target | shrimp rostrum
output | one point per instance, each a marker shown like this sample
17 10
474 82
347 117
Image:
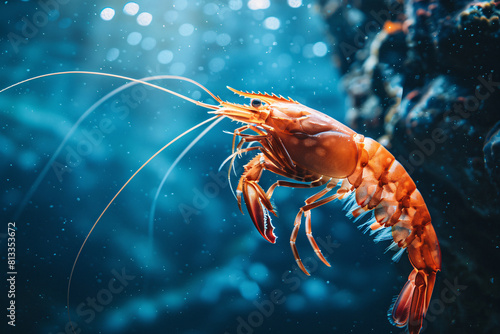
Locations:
315 150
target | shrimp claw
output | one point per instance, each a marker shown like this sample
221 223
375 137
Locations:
256 200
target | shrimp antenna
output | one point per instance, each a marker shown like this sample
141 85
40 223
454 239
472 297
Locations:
205 105
170 169
202 104
116 195
75 126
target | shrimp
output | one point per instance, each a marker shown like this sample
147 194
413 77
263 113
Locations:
315 150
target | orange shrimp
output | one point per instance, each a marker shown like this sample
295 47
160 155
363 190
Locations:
306 145
314 149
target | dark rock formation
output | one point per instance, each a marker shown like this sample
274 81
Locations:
423 77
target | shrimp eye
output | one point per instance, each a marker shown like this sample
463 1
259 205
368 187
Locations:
256 103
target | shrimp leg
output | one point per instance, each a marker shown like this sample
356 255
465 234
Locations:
311 203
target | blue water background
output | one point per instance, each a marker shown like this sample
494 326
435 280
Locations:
204 271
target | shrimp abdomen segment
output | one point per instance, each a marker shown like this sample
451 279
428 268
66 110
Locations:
382 184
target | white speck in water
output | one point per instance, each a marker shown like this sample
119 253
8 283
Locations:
320 49
107 13
148 43
258 4
131 8
223 39
144 19
177 69
134 38
112 54
235 4
216 64
272 23
186 29
165 56
295 3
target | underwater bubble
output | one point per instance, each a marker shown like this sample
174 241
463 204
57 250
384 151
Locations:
165 56
307 51
268 39
148 43
177 69
131 8
180 4
28 160
272 23
134 38
144 19
209 36
112 54
294 3
170 16
249 290
223 39
107 13
315 289
216 64
186 29
53 15
319 49
146 310
258 272
196 95
235 4
258 4
210 9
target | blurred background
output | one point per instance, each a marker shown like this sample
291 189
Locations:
203 268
